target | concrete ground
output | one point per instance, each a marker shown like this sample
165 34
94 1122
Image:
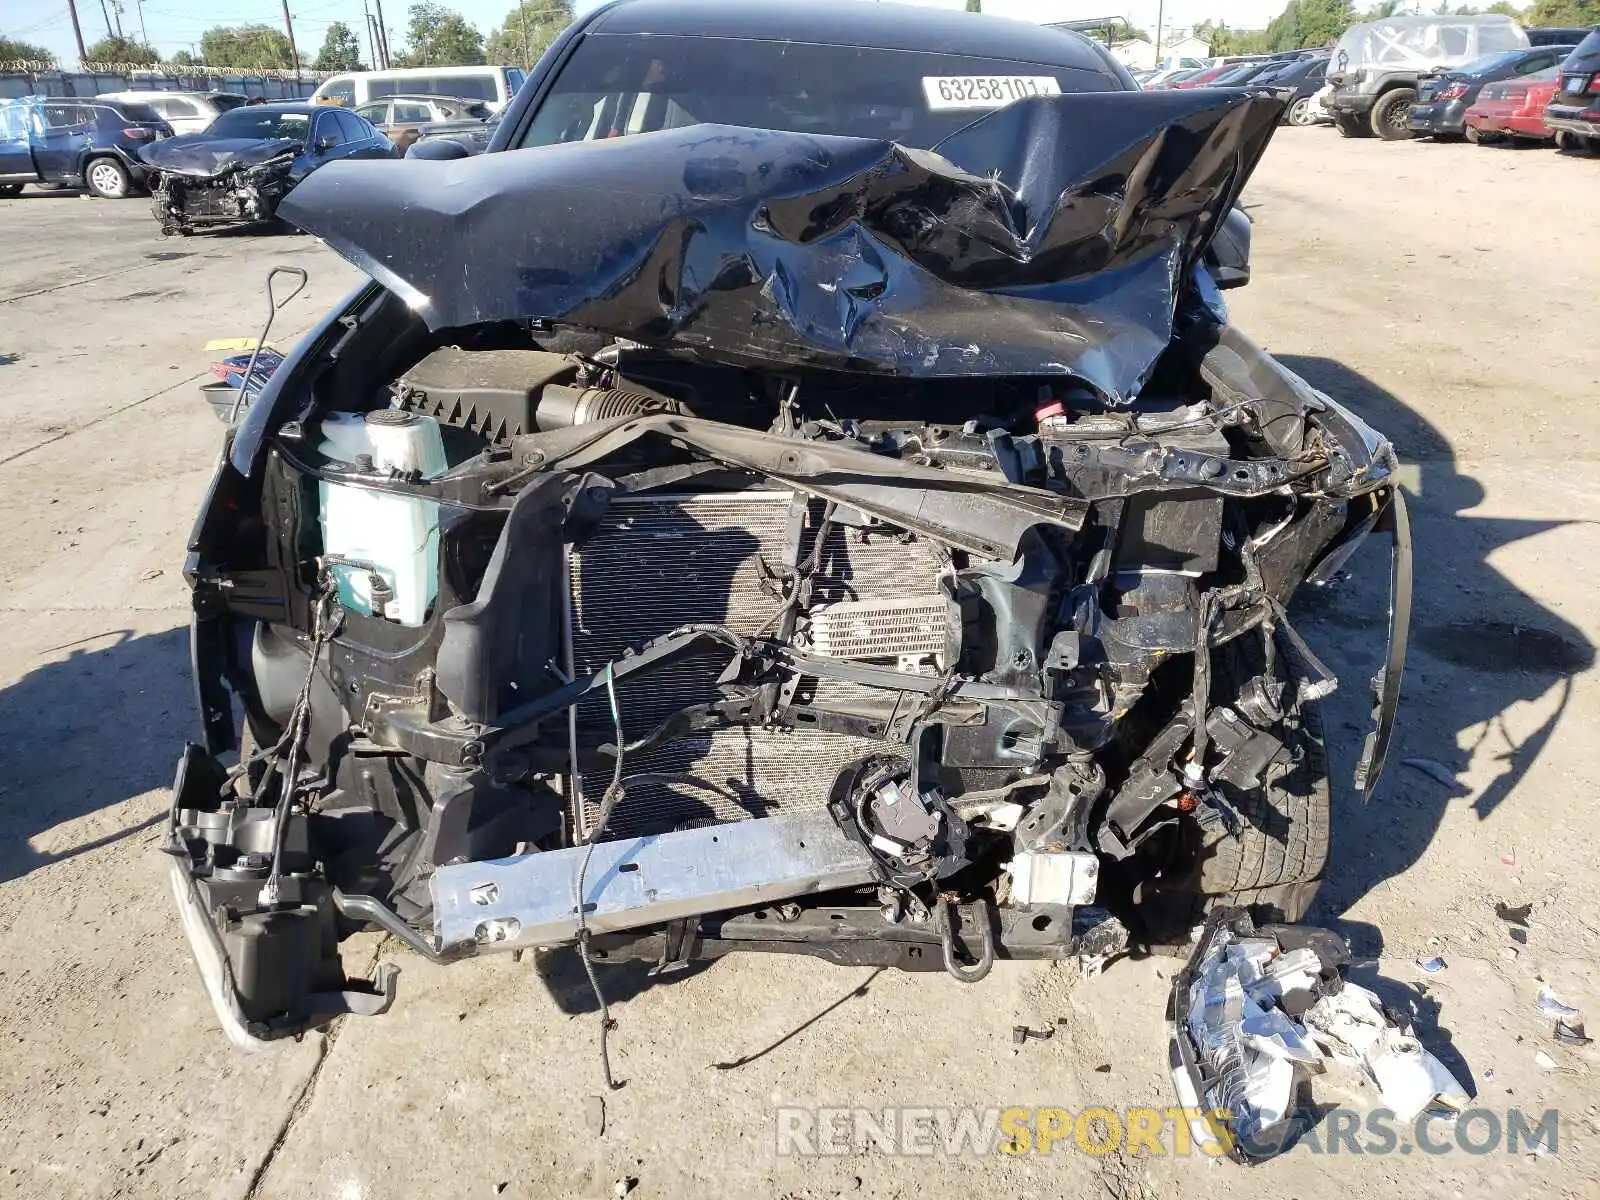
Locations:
1439 290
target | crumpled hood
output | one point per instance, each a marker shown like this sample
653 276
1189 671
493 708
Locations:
1051 237
198 154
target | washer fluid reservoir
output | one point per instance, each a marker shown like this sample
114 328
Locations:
383 547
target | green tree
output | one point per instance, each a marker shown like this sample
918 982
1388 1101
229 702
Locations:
253 47
1562 12
183 59
12 50
340 50
122 50
437 36
527 32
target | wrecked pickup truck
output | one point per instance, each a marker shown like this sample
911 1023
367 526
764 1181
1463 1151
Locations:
730 538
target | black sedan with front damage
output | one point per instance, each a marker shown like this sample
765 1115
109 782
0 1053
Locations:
859 534
238 170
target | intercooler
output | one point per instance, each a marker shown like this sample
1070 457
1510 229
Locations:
660 562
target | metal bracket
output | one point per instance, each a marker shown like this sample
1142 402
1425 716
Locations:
677 947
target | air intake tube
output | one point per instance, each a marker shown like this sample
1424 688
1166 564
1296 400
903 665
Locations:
561 406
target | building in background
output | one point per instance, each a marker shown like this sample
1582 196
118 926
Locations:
1134 48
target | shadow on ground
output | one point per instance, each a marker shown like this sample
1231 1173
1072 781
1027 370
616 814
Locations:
1479 645
94 728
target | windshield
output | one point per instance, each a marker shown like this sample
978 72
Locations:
620 85
259 122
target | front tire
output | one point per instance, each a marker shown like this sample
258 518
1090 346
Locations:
1273 864
107 178
1300 111
1391 114
8 190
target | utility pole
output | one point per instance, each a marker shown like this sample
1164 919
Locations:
522 24
144 38
116 7
293 52
372 42
1160 12
383 34
77 30
106 17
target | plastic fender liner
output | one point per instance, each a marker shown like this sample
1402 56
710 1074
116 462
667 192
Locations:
1386 684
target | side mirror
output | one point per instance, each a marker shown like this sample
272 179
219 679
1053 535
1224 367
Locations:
325 144
1228 256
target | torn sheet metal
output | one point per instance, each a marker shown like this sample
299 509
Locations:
1052 237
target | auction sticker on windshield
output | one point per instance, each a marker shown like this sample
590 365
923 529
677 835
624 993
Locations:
984 91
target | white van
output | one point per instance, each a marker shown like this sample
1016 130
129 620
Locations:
492 85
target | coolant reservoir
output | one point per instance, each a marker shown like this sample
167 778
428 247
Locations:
392 537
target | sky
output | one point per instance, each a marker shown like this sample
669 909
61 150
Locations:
172 26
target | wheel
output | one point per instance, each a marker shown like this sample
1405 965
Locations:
108 178
1565 141
1391 114
10 189
1473 135
1273 862
1351 126
1300 111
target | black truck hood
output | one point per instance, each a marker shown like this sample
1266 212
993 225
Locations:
1052 237
197 154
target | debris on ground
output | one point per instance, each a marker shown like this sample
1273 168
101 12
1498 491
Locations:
1432 965
1545 1062
1513 916
1551 1007
1257 1010
1021 1034
1570 1033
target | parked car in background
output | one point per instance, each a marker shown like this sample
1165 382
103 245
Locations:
1573 114
239 169
1163 75
1513 108
401 117
1564 35
1377 65
1211 74
186 112
1168 79
1307 76
471 134
1245 73
92 143
494 85
1443 97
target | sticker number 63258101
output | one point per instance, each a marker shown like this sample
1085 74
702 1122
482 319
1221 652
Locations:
984 91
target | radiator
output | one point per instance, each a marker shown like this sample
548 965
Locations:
660 562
